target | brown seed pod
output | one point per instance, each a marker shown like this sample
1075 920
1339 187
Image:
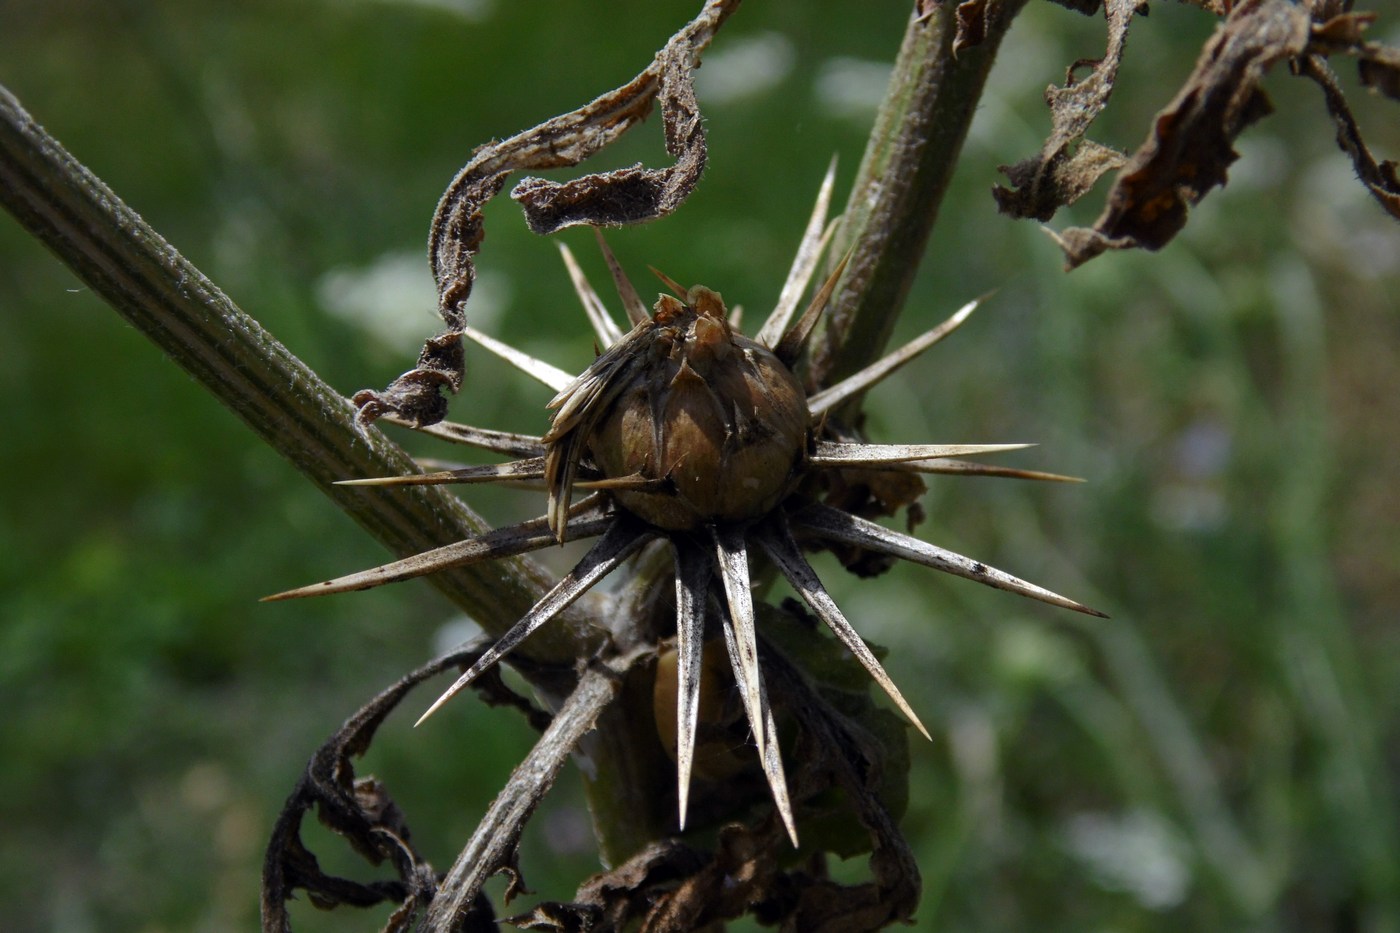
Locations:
712 415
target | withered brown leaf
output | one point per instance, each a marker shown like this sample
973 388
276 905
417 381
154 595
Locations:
1380 178
1190 146
361 811
1378 65
635 194
624 196
1068 165
1382 72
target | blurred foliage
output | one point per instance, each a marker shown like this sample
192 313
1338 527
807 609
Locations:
1221 755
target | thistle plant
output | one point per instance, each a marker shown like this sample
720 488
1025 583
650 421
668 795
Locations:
690 432
701 461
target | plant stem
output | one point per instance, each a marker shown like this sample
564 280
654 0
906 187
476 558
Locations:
287 405
493 844
903 176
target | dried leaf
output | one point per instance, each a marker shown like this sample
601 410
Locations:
1336 30
1378 65
1381 71
636 194
621 197
1068 165
1043 184
1189 149
363 813
1381 179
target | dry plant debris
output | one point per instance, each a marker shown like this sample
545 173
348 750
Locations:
624 196
1190 147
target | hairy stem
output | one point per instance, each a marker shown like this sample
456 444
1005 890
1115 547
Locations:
287 405
903 176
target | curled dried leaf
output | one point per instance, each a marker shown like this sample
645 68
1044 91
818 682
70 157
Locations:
1190 146
363 813
1380 178
611 198
635 194
1378 65
1068 165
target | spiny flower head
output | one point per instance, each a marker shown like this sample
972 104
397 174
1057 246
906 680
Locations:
713 419
684 429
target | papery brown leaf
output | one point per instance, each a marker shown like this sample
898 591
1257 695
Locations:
1040 186
614 899
1068 165
636 194
1335 31
1383 74
363 813
1381 179
1189 149
627 196
1379 68
1339 31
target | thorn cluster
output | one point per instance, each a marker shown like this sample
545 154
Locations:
683 429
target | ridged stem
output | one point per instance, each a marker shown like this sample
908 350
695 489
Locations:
159 292
900 184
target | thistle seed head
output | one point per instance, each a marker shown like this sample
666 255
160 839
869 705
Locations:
713 414
690 427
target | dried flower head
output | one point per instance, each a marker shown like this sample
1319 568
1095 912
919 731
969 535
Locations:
685 429
713 420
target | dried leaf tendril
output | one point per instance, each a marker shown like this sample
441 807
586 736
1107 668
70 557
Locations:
624 196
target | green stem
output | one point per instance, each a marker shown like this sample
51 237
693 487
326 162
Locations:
287 405
903 176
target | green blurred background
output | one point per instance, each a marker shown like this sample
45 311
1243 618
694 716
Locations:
1221 755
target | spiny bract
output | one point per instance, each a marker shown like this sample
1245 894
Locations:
684 429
